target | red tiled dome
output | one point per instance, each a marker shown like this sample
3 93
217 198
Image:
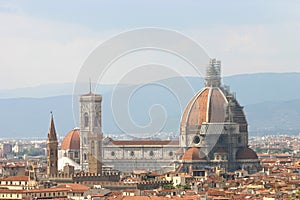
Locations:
245 153
72 140
206 106
193 153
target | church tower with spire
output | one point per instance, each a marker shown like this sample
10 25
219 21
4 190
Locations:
52 149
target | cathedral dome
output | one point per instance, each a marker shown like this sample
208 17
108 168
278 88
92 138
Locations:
245 153
193 154
208 105
213 104
72 140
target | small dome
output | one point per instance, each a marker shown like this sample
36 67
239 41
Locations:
72 140
193 153
245 153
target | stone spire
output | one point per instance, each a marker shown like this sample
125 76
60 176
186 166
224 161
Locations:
52 132
213 73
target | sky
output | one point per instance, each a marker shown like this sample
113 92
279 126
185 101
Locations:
45 42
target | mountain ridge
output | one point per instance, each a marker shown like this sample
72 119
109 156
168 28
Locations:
265 106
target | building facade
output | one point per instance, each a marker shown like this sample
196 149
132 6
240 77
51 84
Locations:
127 155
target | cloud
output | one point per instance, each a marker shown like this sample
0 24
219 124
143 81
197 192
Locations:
40 50
252 48
35 51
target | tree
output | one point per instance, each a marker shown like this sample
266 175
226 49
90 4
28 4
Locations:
168 186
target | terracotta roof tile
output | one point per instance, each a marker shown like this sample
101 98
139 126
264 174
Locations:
246 153
72 140
193 153
15 178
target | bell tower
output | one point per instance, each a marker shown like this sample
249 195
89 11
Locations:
90 133
52 144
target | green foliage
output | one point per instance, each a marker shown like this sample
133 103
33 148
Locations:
187 187
32 152
168 186
276 151
286 150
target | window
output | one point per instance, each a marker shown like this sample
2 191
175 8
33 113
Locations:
76 154
71 155
170 153
239 139
113 153
151 153
86 119
93 148
96 121
84 156
196 140
132 153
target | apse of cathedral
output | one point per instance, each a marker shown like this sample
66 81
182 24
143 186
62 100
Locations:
213 133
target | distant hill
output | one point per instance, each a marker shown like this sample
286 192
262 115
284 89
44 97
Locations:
274 117
272 105
262 87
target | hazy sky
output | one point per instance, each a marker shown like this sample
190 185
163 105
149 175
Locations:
46 42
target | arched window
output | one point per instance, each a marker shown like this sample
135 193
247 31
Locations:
132 153
93 148
96 122
86 119
84 157
151 153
